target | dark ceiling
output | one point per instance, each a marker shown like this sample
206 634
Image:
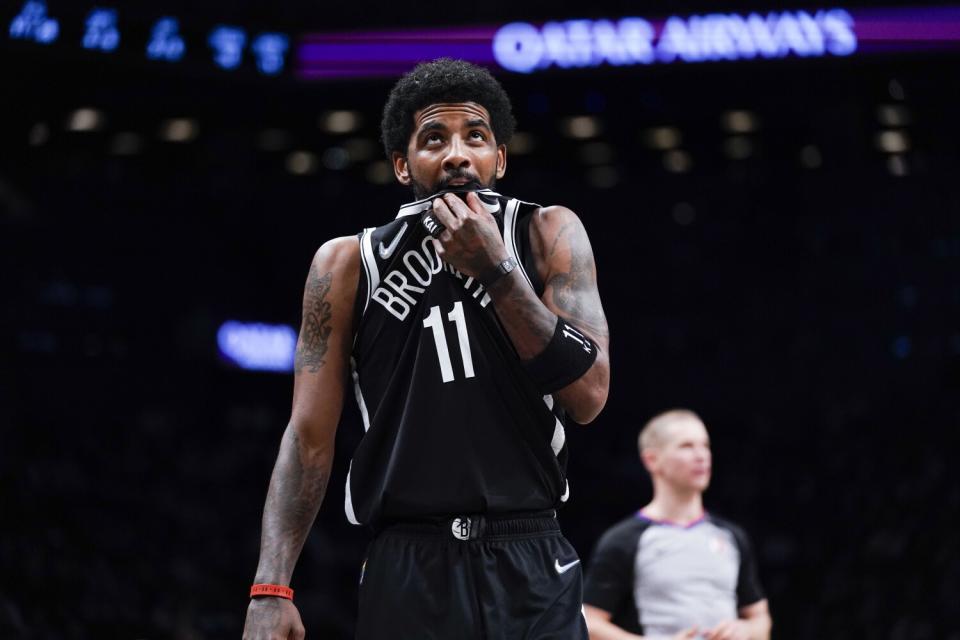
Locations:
299 16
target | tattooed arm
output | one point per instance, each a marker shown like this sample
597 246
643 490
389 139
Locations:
564 261
472 243
302 470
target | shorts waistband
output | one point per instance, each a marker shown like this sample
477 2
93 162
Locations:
478 526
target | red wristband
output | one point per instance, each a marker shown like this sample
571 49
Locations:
277 590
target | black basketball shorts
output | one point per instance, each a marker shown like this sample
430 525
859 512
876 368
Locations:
472 578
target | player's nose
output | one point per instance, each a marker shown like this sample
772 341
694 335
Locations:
457 157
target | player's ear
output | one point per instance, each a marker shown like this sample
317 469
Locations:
401 168
501 160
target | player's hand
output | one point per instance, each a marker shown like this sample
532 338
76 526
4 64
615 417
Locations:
471 242
273 619
686 634
728 630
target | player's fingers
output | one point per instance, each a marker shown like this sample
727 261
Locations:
477 208
442 213
476 204
456 205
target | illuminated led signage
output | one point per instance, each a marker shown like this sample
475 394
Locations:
270 49
257 346
524 48
33 23
165 41
101 32
227 43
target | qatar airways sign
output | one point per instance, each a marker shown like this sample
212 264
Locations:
523 48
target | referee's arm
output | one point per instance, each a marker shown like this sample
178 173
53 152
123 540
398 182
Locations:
302 470
600 627
757 617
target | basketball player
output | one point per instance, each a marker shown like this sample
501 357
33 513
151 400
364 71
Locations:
471 329
672 570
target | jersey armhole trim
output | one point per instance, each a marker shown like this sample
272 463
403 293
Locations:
510 236
370 271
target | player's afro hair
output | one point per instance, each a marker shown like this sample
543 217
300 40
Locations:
443 80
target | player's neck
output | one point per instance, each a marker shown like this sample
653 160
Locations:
674 507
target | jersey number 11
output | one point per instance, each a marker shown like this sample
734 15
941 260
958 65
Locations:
434 321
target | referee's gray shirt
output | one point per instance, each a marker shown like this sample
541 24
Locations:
658 578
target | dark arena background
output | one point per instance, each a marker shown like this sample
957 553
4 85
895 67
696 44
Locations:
773 196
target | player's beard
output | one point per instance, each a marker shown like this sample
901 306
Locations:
421 191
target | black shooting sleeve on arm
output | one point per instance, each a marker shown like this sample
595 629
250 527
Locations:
568 355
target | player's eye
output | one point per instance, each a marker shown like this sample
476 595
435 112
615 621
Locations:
433 137
477 135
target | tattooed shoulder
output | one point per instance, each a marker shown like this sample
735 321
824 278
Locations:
315 329
572 280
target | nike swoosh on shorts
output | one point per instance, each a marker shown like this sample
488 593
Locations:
563 568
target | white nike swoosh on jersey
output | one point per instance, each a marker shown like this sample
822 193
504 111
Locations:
386 252
563 568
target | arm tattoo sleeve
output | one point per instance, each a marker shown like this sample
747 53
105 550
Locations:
296 491
569 289
315 329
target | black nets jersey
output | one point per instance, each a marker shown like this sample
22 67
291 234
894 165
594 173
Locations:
453 424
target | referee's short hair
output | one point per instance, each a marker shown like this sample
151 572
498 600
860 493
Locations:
653 433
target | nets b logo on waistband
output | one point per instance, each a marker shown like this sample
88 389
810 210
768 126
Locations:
461 528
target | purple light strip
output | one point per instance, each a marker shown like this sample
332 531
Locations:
916 24
390 53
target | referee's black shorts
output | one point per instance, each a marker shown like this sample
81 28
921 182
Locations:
472 578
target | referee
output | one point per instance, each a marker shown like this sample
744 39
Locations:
671 570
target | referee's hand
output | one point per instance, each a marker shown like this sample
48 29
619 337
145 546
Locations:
729 630
687 634
273 619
